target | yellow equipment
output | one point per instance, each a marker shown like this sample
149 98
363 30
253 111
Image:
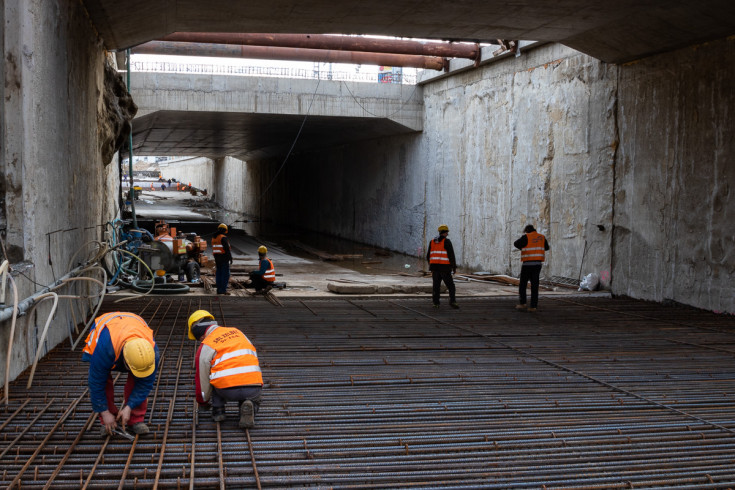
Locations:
140 357
196 317
262 250
443 228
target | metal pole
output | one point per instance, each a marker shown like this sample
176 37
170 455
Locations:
130 153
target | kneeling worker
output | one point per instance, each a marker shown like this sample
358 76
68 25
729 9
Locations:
265 276
121 342
227 368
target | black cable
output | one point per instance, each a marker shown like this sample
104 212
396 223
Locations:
376 115
294 142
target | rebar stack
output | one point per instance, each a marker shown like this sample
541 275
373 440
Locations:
389 393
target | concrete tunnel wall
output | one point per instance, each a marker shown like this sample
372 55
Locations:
52 176
622 166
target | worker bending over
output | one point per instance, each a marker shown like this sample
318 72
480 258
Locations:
222 258
227 369
442 265
123 342
265 276
532 245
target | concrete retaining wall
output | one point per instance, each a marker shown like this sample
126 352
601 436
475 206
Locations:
198 171
675 178
584 150
55 189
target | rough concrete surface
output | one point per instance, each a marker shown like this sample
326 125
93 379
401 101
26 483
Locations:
56 188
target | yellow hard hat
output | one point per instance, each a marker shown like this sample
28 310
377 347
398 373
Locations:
222 226
443 228
140 357
262 250
196 317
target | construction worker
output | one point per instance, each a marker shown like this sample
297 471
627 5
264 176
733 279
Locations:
222 258
532 246
442 265
265 276
123 342
227 369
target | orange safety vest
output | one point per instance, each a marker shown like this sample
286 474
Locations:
217 247
235 362
270 274
534 249
122 327
437 253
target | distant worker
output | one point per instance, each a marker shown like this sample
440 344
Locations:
442 265
123 342
163 187
169 182
227 369
263 278
222 258
532 246
152 186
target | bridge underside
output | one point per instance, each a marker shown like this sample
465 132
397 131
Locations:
611 31
250 136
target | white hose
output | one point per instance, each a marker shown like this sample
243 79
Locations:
10 343
45 329
4 270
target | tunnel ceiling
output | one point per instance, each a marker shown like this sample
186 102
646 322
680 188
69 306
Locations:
250 136
616 31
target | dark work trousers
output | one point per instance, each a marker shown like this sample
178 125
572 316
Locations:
529 272
237 394
222 276
258 282
137 414
438 277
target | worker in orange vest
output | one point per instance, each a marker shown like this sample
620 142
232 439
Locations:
121 341
532 246
442 265
265 276
222 258
227 369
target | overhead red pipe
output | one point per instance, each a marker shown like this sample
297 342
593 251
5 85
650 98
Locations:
338 42
290 54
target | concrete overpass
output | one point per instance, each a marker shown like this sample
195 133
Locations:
256 117
611 31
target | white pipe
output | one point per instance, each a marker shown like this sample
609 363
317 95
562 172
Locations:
4 270
10 343
45 329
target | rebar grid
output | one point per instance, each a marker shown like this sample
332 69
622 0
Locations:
586 393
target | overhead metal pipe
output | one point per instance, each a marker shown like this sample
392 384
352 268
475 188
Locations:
291 54
338 42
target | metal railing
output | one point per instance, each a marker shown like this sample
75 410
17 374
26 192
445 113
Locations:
267 71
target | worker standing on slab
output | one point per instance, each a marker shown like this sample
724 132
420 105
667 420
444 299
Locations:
442 265
532 246
265 276
222 258
227 369
122 342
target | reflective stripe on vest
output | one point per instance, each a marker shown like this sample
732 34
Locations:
236 360
437 253
122 327
534 249
270 274
217 247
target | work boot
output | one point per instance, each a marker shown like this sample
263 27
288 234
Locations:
247 414
218 414
454 305
532 309
139 428
521 307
